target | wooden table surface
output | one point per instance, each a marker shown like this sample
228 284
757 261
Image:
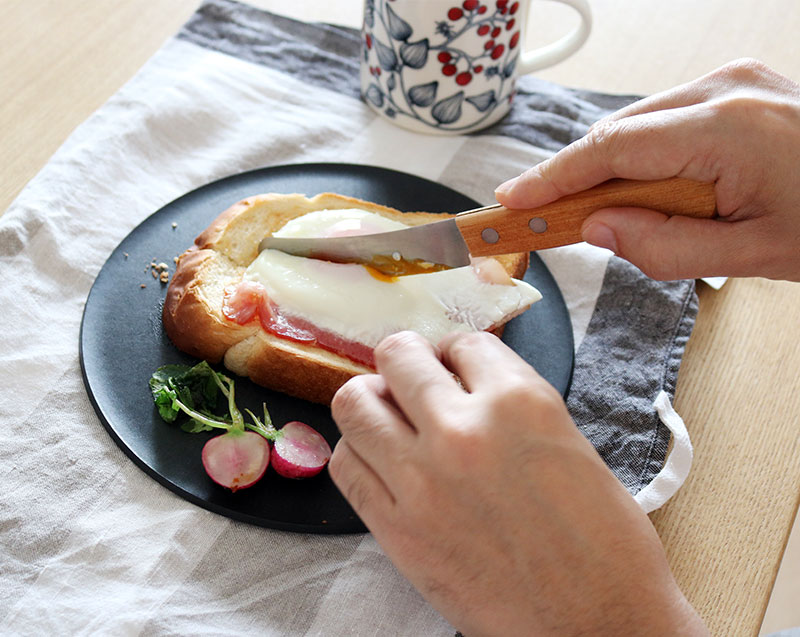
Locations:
738 389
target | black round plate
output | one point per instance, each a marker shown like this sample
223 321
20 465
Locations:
122 342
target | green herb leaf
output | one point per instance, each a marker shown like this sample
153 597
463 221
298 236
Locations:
163 391
193 426
195 391
193 387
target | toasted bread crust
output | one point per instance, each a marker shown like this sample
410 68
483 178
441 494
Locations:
187 318
192 314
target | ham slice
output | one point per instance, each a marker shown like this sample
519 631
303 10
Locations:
249 301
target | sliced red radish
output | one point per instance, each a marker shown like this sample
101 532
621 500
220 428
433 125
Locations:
236 459
299 451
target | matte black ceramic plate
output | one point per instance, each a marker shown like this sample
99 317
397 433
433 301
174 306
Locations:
122 343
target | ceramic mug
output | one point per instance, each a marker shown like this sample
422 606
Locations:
450 66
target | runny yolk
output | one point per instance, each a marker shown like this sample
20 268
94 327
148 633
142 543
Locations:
391 267
381 276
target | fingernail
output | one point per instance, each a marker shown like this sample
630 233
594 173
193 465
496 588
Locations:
600 235
505 187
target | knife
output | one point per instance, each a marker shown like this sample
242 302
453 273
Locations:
494 230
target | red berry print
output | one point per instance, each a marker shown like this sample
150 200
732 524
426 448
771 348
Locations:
478 69
489 45
514 8
496 31
510 24
444 57
483 29
455 14
449 69
501 3
470 5
462 79
514 40
482 9
369 41
498 51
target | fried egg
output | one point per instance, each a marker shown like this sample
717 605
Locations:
348 300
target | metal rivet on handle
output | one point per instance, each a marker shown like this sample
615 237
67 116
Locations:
538 225
490 235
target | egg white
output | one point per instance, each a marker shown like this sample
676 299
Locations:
347 300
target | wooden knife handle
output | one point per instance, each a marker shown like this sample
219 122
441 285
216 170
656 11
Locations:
498 230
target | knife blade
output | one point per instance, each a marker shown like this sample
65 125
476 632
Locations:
426 248
493 230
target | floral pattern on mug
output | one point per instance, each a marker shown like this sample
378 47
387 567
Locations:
472 40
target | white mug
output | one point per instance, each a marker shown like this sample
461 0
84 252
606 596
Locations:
450 66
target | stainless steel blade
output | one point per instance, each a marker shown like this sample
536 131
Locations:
439 243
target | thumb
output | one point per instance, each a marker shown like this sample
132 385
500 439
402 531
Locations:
674 247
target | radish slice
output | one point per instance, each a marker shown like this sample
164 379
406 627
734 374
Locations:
236 459
300 451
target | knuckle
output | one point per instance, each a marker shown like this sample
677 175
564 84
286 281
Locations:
463 444
520 382
356 493
526 400
460 434
741 104
516 391
600 123
335 468
395 343
353 488
465 342
456 427
530 393
754 110
603 131
745 69
348 398
607 140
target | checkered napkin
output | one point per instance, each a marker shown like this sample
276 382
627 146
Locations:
91 544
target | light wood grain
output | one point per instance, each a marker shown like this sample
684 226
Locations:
738 389
738 392
644 46
560 222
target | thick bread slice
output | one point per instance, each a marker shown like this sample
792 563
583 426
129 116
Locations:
193 316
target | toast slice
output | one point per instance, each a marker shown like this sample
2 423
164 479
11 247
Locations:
193 310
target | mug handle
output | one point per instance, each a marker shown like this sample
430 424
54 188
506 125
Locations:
550 54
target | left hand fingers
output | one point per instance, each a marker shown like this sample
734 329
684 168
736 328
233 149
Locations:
484 363
420 385
372 424
359 484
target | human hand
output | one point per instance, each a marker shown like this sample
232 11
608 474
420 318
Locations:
490 501
739 127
